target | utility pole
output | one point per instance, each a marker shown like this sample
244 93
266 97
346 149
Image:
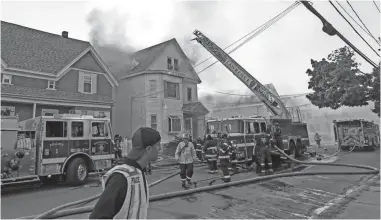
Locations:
331 31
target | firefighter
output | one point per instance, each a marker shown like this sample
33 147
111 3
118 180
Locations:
210 148
117 147
264 154
186 155
278 136
199 148
223 155
318 139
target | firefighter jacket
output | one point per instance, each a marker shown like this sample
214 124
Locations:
223 150
185 153
210 147
277 132
136 201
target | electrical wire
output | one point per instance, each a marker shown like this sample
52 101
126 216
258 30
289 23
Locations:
376 6
336 32
234 42
261 29
369 34
353 28
360 20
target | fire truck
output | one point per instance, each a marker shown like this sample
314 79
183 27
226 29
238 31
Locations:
50 148
361 134
246 131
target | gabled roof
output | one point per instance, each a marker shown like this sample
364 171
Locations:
148 55
195 107
34 50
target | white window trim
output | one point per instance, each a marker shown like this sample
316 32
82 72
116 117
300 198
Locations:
177 91
54 111
151 121
91 82
174 117
178 64
191 91
9 77
54 84
172 64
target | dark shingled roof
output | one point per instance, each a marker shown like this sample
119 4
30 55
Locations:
30 49
29 92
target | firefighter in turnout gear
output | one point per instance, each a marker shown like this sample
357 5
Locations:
186 154
264 154
223 155
210 148
278 136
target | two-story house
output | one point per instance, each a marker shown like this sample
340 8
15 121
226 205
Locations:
160 91
44 73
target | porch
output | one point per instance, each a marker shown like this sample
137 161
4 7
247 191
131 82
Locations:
194 119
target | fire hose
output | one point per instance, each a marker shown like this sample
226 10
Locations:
55 213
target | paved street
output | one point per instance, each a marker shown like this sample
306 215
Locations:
291 197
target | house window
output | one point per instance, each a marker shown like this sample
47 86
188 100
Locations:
51 84
87 83
56 129
99 129
7 111
171 90
154 122
83 112
176 64
102 114
174 123
71 111
152 89
49 112
77 129
7 79
189 94
169 63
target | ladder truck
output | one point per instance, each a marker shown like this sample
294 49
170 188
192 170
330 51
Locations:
295 133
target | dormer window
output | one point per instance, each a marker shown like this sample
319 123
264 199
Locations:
7 79
51 84
169 63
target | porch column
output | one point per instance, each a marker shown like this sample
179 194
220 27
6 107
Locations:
191 126
34 109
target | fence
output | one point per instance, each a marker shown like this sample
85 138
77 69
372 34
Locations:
126 146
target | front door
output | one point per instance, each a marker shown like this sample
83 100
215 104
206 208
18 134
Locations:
188 126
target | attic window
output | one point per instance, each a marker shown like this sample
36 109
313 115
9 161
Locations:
169 63
176 64
51 84
7 79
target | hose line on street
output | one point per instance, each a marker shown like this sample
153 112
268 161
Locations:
54 213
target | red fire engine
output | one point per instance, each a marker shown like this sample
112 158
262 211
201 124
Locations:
63 146
295 134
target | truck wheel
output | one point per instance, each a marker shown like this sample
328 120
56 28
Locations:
77 172
298 149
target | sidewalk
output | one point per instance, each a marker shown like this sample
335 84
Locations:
365 205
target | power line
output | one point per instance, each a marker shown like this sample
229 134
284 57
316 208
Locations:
261 29
376 6
353 28
370 35
330 30
360 19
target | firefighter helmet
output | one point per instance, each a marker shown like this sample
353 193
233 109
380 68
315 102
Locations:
186 136
224 136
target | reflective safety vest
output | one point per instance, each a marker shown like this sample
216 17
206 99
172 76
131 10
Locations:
135 204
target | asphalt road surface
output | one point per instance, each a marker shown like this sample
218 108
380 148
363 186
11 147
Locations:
292 197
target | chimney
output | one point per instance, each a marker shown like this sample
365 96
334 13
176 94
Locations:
65 34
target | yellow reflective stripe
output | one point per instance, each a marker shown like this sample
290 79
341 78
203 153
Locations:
223 157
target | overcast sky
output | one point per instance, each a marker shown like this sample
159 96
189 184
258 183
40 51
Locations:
280 55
